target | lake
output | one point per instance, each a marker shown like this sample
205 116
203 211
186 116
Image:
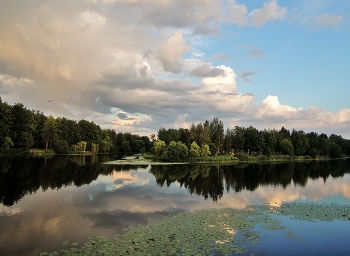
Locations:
61 203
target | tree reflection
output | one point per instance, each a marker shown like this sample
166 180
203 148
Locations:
21 176
210 181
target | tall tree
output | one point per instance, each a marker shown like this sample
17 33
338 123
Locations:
5 120
49 132
217 133
253 140
300 142
238 138
23 126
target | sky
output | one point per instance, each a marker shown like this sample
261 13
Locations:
139 65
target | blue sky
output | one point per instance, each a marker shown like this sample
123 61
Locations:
138 65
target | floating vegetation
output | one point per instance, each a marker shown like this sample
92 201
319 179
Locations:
207 232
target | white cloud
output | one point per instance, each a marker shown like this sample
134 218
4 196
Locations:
171 51
328 20
270 11
237 14
273 114
80 51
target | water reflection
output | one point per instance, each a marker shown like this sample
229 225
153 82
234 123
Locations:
45 202
212 181
22 176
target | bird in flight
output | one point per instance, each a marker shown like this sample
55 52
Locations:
49 101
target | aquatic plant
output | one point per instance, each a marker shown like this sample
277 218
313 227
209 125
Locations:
208 232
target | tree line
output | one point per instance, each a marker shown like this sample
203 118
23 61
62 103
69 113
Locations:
251 141
21 128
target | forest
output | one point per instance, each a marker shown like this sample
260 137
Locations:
21 129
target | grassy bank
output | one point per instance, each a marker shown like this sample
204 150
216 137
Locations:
242 158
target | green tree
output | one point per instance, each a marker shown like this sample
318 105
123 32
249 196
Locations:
61 146
159 147
228 140
94 148
195 150
300 142
49 132
175 152
238 138
286 147
23 126
253 141
313 153
205 150
89 132
5 120
217 133
40 120
7 143
334 149
68 130
324 146
270 141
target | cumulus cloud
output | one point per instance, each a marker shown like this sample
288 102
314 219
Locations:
271 111
203 16
171 51
138 75
206 71
270 11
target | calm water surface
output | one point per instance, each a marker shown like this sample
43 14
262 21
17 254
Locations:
46 202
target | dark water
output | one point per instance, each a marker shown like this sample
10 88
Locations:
46 202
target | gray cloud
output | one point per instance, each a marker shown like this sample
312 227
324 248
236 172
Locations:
256 53
205 70
221 56
246 74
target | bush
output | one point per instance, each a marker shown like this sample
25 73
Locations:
242 156
313 153
263 158
175 152
61 147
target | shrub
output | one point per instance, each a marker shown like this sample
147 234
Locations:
61 147
242 156
263 158
313 153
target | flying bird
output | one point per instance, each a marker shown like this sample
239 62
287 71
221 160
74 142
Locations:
49 100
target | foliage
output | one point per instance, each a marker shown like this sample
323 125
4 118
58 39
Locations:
175 152
300 142
334 149
159 147
94 148
212 148
5 120
195 150
61 147
313 152
286 147
7 143
205 150
263 158
49 132
241 156
32 129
